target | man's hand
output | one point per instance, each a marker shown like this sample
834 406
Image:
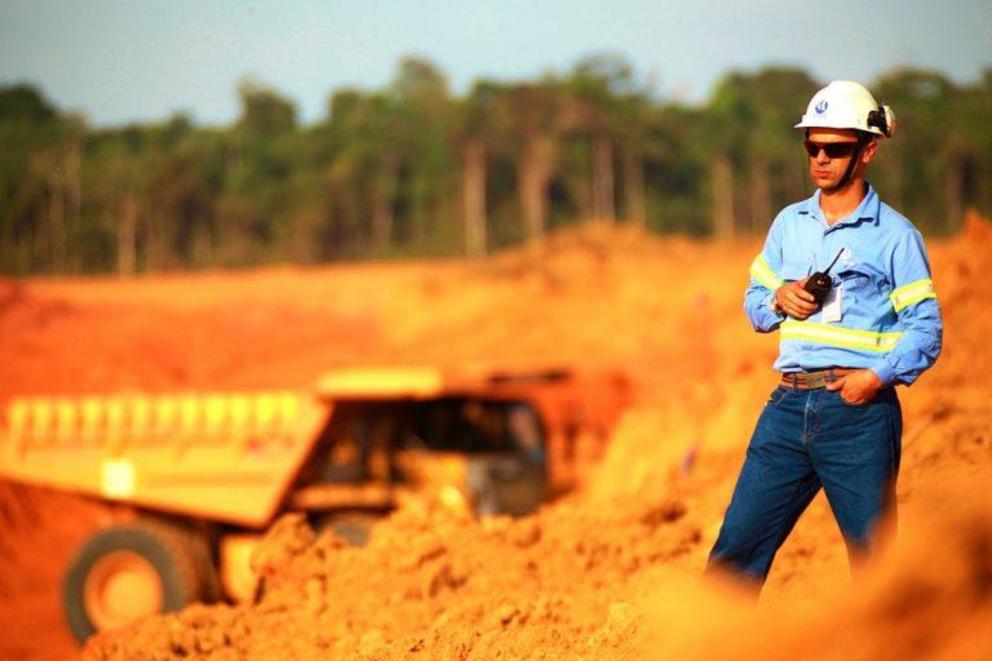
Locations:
858 387
795 301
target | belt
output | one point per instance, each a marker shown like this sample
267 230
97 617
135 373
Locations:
815 378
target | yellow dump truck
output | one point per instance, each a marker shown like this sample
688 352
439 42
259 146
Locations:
193 479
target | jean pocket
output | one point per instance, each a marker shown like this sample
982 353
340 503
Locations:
778 395
852 404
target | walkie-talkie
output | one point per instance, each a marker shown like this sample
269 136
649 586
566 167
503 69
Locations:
819 284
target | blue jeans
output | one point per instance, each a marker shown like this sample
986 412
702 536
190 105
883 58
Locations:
804 440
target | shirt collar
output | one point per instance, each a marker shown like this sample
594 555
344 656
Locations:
867 210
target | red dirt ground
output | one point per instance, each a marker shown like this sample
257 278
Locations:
609 572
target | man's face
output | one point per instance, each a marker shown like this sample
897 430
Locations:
826 171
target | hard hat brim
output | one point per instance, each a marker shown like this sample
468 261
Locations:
823 124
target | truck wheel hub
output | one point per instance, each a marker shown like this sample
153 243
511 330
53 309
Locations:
121 587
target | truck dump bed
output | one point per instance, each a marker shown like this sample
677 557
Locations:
235 457
227 457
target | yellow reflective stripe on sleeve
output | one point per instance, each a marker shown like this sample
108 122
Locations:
912 293
837 336
764 275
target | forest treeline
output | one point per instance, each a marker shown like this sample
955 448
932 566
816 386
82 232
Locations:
413 169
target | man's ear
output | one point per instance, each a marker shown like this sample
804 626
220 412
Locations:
868 153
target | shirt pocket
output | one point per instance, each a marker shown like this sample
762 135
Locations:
861 277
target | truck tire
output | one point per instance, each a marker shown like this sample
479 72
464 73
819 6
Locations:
127 572
210 587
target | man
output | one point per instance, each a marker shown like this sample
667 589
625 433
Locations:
834 421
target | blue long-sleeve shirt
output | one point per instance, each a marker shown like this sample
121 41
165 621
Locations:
889 315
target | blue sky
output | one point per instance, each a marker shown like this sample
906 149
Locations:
128 60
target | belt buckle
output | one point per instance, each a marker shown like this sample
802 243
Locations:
816 380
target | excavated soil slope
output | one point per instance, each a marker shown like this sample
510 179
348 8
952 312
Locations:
609 572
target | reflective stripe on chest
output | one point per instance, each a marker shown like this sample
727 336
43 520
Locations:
837 336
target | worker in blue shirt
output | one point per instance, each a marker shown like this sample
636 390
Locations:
834 420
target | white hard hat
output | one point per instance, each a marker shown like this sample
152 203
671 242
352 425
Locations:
844 104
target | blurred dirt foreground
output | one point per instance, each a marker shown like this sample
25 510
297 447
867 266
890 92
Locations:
609 572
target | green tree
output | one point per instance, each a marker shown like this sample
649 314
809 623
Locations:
750 122
602 98
428 183
40 183
913 167
533 110
480 127
260 157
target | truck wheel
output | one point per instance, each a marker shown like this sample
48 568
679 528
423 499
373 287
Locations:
128 572
210 587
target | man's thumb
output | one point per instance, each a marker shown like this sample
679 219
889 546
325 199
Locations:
837 384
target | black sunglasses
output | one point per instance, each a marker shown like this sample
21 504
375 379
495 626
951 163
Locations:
832 149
